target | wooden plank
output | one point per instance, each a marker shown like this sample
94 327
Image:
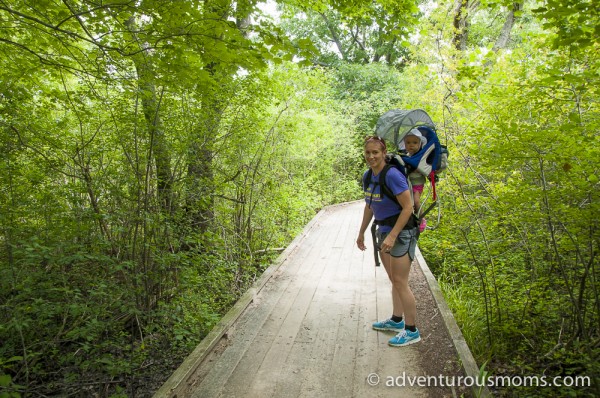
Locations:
307 332
329 308
269 368
272 370
345 342
245 336
190 364
282 377
246 370
366 353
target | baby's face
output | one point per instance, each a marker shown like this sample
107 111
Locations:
412 144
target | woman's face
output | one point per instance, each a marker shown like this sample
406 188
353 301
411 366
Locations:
374 154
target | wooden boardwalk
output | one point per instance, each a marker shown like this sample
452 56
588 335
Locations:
305 329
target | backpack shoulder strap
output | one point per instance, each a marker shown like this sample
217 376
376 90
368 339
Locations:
367 179
384 188
413 221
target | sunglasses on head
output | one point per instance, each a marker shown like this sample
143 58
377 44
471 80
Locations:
377 139
373 137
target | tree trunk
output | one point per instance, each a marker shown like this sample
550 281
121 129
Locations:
335 37
389 58
156 134
200 190
200 198
158 142
461 24
504 36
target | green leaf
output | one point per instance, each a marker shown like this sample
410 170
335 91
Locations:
5 380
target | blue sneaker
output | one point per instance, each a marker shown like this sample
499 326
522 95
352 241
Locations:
405 337
388 324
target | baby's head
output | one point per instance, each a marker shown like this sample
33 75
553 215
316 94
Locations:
414 141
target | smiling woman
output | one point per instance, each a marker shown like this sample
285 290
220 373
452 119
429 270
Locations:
396 237
375 151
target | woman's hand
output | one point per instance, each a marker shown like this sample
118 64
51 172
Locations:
388 243
360 242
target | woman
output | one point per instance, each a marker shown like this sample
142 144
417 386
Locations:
396 242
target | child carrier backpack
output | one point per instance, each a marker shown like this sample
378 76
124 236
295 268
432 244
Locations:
429 161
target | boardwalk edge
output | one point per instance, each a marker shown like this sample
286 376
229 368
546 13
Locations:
171 387
464 353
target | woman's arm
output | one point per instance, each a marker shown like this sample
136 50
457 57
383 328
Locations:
367 216
407 209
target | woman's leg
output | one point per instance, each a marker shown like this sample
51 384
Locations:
410 335
395 323
400 269
397 305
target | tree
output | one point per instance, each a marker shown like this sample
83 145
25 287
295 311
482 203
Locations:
502 40
96 139
461 23
574 22
361 32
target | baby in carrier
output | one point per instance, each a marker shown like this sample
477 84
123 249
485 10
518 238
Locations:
413 142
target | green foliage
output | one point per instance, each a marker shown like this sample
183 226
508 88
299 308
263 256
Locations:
157 156
205 294
516 248
359 32
8 389
576 23
151 162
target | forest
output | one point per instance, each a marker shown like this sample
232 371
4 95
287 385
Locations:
157 155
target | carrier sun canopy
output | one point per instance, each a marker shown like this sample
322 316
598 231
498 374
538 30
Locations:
393 125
